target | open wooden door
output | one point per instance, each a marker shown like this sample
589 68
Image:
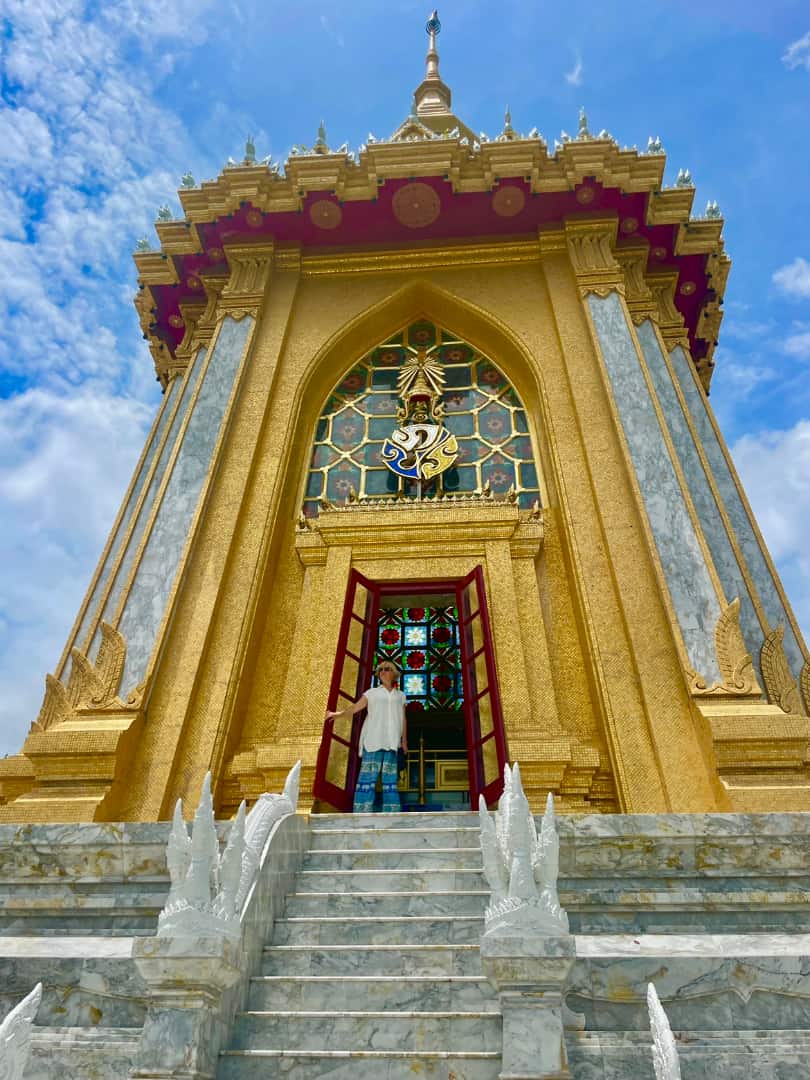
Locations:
483 717
338 757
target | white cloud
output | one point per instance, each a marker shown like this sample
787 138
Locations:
794 279
797 53
65 462
333 34
775 470
574 76
88 155
798 345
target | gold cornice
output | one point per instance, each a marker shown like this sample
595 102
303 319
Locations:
452 527
429 257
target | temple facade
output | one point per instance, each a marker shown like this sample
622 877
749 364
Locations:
444 400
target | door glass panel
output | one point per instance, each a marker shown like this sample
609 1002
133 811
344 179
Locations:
338 763
486 721
360 605
492 769
354 643
348 682
480 673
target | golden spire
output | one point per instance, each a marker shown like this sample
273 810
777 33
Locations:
432 95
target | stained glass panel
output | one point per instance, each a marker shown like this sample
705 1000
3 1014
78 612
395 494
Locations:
423 643
483 411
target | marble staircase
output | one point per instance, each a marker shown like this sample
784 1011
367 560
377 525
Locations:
374 969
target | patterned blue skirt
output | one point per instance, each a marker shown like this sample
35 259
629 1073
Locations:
375 763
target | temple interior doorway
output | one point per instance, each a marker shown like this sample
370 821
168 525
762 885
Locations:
439 636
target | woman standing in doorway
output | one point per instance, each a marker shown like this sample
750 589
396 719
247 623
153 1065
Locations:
384 732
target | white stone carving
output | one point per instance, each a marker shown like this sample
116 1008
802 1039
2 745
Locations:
15 1036
665 1053
520 867
208 890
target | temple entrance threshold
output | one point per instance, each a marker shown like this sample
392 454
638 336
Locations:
439 635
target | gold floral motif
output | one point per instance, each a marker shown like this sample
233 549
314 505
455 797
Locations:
508 201
416 205
736 663
325 214
90 685
779 682
804 682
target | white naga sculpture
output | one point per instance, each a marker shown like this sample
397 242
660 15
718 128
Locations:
15 1036
520 867
208 890
665 1054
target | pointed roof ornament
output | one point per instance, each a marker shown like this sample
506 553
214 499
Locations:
583 132
321 146
431 112
508 133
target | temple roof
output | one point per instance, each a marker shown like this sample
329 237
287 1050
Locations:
433 181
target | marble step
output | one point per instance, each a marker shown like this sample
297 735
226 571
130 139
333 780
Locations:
402 858
355 1030
364 837
420 821
372 960
388 880
383 904
90 1053
357 1065
447 993
371 930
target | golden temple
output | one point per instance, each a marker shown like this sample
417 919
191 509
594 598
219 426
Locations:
580 586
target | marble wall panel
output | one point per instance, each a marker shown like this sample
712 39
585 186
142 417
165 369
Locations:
186 392
711 521
124 524
154 578
758 568
687 575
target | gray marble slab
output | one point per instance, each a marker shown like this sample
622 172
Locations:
375 992
154 577
735 508
711 521
122 575
120 534
690 585
353 1065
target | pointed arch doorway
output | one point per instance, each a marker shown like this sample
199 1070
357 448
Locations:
440 634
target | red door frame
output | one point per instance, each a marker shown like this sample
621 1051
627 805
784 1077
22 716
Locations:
341 798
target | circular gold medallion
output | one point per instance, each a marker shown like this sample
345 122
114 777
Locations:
687 288
629 225
254 218
416 205
325 214
193 282
585 195
508 201
215 254
176 321
659 252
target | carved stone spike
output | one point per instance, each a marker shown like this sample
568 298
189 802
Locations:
493 868
735 662
292 785
178 854
665 1053
15 1035
780 685
805 685
230 868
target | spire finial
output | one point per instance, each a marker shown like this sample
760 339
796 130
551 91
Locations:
432 27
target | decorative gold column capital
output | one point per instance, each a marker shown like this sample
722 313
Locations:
670 320
590 249
244 289
640 300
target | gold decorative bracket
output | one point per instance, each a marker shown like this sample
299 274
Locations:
590 248
249 273
735 662
670 320
640 300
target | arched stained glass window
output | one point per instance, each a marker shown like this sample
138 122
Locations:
483 411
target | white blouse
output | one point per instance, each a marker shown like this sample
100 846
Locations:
382 729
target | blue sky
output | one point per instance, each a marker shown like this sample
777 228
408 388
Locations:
105 105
